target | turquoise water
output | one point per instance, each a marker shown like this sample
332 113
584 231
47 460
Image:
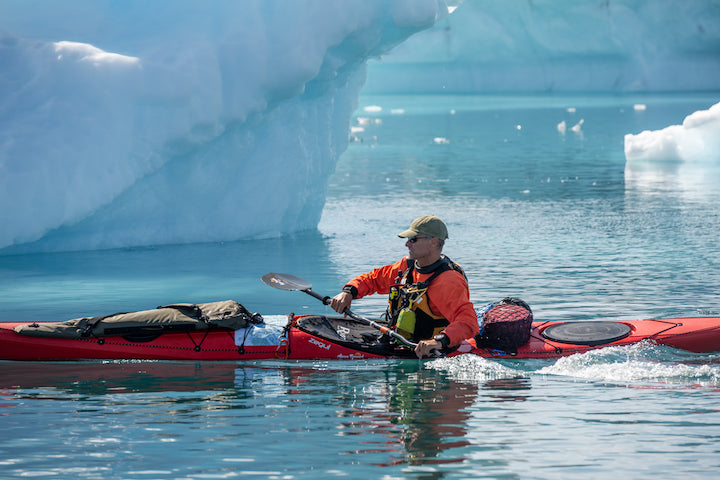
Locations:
557 219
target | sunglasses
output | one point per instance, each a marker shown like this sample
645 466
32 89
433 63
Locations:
415 239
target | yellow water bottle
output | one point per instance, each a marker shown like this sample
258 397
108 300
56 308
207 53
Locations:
406 323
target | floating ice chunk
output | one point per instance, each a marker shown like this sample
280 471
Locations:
639 107
698 138
577 128
660 145
441 141
373 109
571 109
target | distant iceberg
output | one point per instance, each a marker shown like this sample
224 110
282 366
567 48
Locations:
555 46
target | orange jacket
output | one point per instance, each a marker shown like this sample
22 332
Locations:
448 294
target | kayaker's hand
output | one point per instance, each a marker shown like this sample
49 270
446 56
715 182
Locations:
341 301
424 347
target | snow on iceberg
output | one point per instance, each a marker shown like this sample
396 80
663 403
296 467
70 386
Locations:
172 121
87 53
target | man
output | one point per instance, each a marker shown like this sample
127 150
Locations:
426 283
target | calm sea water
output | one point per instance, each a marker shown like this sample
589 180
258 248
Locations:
557 219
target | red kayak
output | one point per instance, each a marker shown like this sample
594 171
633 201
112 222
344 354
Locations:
313 337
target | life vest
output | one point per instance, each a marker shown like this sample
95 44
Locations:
409 306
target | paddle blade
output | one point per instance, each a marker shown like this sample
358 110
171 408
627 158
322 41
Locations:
284 281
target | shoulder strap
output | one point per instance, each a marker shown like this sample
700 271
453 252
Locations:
457 268
442 266
190 309
407 273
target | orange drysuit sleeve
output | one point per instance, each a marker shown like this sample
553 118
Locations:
448 294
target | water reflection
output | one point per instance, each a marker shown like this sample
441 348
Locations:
93 379
687 182
513 389
393 414
430 412
424 415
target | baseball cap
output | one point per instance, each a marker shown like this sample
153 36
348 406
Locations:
429 225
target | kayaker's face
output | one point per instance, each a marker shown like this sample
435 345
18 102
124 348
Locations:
423 249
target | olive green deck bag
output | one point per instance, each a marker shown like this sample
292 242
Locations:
177 317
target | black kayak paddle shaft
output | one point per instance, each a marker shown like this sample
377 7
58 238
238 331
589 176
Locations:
284 281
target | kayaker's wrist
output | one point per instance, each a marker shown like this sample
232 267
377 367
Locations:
443 341
351 289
